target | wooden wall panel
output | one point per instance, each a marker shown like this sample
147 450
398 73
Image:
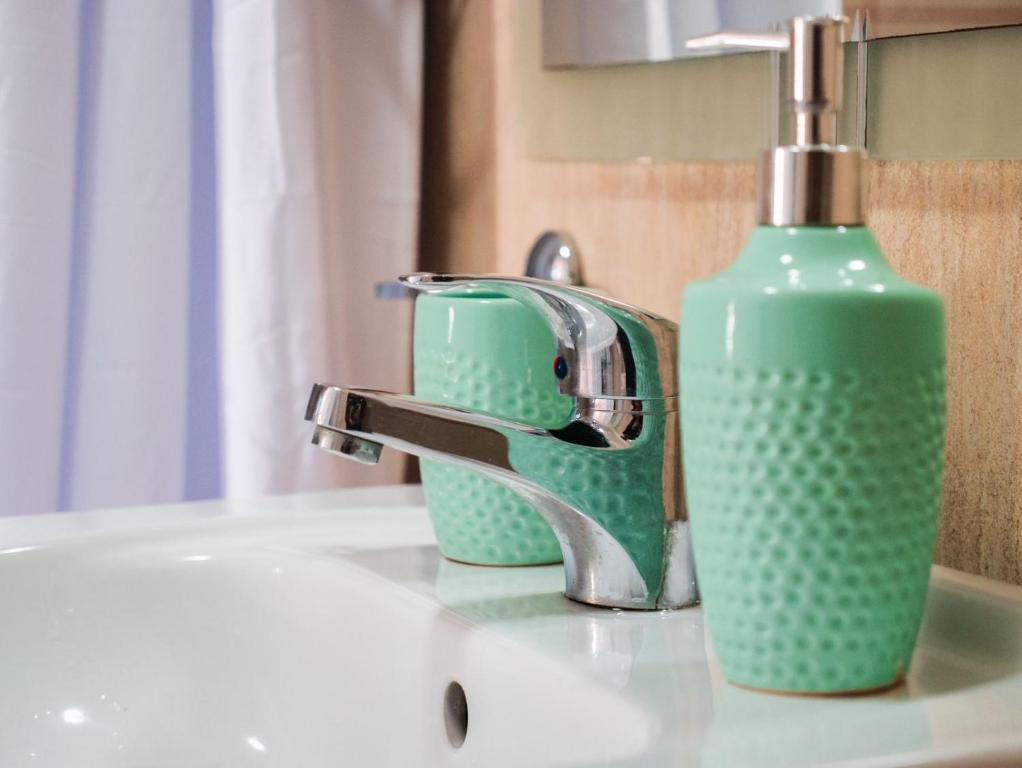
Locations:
955 226
458 226
646 230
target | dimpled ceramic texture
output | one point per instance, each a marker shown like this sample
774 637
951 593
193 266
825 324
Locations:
812 381
486 353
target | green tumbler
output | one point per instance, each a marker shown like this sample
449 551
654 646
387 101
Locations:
812 389
489 353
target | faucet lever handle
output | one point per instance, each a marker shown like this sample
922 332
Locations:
604 348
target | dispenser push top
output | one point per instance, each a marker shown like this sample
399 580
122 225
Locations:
813 181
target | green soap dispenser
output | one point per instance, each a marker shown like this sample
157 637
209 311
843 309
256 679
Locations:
812 395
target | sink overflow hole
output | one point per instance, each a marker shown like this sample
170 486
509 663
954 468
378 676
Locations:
455 714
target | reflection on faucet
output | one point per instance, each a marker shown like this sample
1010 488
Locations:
608 481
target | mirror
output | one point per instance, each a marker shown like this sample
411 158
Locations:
589 33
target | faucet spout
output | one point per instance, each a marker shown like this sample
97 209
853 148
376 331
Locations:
600 494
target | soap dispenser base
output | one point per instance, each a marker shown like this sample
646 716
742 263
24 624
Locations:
855 692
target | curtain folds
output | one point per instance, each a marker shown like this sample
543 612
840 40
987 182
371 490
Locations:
38 113
195 199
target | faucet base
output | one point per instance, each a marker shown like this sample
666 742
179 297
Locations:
678 590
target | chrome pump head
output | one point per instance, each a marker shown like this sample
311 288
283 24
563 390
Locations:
814 180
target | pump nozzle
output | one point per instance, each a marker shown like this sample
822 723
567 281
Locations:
813 180
760 41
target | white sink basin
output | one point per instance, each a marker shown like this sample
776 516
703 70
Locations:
325 630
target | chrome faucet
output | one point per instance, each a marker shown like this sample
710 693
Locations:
608 481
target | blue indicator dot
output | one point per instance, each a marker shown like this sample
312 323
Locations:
560 367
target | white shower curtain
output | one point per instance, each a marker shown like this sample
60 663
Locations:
195 200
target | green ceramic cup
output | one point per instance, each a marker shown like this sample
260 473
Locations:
488 353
